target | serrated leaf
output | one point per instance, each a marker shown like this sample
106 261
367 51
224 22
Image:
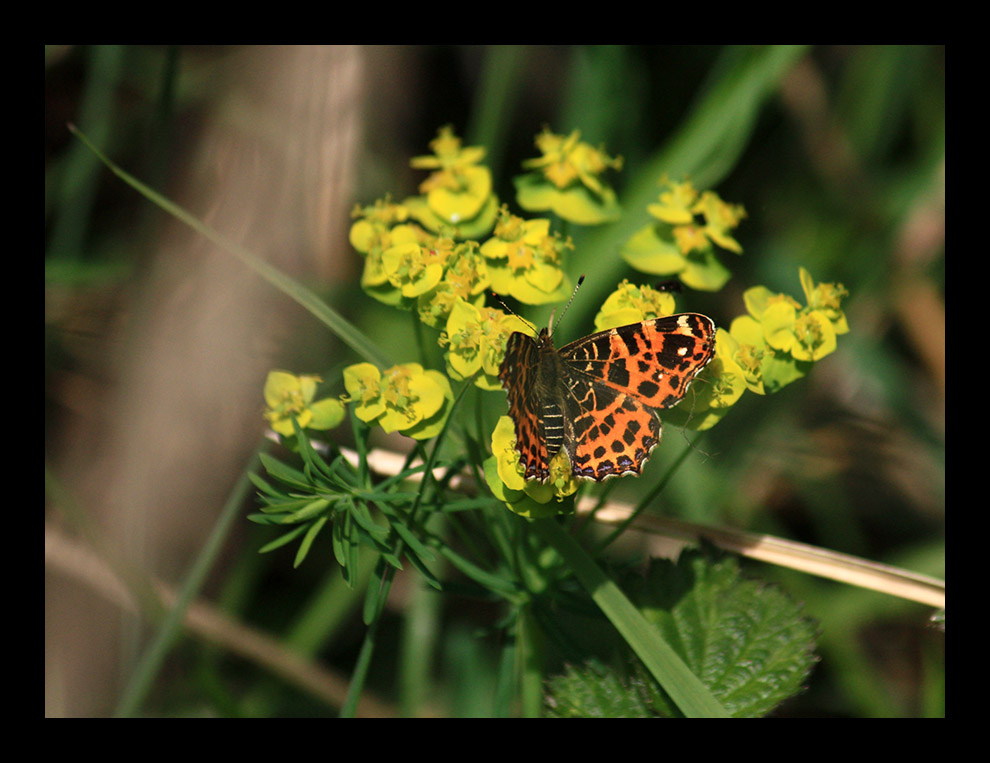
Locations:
592 691
688 692
746 639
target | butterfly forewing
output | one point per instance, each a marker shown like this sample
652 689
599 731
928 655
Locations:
653 361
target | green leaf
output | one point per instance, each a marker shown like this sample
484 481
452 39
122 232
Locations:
264 487
376 594
316 468
347 552
363 519
285 506
485 579
414 543
282 539
339 542
311 533
747 640
263 519
312 509
593 691
427 573
285 474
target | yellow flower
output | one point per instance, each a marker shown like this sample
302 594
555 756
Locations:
503 474
567 179
475 338
404 398
676 202
720 218
826 298
566 160
459 190
630 303
524 260
288 396
678 243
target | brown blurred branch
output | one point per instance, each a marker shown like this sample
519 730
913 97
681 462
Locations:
79 562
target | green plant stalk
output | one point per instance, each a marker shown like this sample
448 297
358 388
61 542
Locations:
529 653
347 332
360 674
685 689
375 602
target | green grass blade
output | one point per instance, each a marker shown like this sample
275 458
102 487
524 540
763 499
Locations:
154 656
348 333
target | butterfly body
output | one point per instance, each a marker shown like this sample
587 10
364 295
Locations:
598 397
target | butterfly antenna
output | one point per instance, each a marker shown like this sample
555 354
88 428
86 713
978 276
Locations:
562 312
513 312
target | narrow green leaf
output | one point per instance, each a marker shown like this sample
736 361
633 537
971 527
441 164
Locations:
309 511
385 500
366 523
285 474
377 593
402 476
284 507
263 486
316 468
311 533
467 504
343 473
339 543
427 573
487 580
414 543
283 539
263 519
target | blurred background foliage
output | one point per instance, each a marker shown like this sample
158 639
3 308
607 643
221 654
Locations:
157 345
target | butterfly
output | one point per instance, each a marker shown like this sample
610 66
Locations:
598 398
